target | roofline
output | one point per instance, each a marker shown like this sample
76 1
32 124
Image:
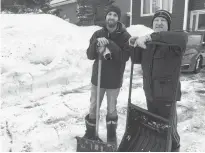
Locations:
65 2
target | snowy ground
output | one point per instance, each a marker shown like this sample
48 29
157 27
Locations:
45 81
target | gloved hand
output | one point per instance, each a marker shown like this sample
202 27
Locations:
141 41
102 41
132 40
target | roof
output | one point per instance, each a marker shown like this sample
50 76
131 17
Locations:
55 3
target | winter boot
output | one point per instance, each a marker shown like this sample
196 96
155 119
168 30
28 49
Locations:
90 128
176 149
111 130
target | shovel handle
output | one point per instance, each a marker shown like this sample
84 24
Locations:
131 78
98 94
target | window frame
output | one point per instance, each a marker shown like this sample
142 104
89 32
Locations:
191 24
151 14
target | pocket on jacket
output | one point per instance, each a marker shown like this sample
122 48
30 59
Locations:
163 89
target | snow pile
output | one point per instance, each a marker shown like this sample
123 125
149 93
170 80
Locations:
45 50
139 30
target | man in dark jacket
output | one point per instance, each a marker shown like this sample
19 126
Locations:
160 55
113 38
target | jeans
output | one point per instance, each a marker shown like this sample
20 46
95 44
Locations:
112 95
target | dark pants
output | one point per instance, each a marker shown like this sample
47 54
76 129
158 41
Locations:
163 109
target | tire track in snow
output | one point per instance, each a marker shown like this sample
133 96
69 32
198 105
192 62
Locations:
8 132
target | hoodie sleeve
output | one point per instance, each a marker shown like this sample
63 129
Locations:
171 38
92 49
120 53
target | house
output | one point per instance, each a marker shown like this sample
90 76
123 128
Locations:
187 14
67 9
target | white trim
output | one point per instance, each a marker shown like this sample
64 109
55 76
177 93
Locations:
185 14
131 1
197 21
141 9
160 3
191 21
200 11
171 5
151 14
150 7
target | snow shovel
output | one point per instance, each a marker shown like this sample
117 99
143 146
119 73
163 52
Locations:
97 145
145 131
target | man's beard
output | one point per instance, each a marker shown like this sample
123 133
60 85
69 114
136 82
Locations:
111 24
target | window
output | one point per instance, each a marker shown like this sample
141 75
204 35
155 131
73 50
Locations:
194 40
197 20
201 24
149 7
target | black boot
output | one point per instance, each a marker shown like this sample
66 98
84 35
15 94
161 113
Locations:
176 149
111 130
90 128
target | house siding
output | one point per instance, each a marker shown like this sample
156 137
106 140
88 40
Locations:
124 5
196 4
177 14
136 15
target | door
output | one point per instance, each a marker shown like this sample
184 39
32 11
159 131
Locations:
197 20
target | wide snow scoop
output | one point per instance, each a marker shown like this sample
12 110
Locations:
96 145
145 132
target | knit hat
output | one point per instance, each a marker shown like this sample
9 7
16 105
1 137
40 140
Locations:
113 8
165 14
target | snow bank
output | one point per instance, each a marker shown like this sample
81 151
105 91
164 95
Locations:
139 30
42 50
45 51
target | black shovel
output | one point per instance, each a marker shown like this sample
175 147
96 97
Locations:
145 131
96 145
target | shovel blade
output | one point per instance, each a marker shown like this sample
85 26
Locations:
87 145
145 132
